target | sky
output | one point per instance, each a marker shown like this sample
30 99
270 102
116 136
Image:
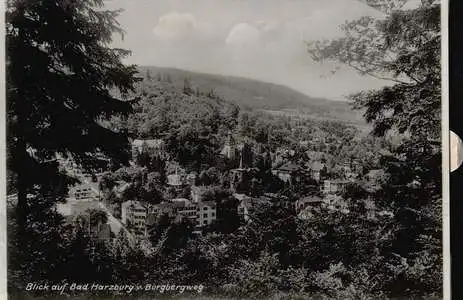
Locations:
258 39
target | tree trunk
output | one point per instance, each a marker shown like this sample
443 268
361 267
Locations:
22 186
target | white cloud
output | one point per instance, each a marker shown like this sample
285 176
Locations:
175 25
243 35
412 4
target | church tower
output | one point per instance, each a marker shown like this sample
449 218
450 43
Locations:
229 149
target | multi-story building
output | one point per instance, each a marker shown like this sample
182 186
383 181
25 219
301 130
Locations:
133 215
334 186
82 192
185 208
200 213
155 146
316 170
206 212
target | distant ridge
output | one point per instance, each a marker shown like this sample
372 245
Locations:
251 94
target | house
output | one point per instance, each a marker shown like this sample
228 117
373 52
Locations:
206 213
315 155
334 186
156 146
285 152
200 213
191 178
356 166
185 209
345 169
277 199
305 202
336 203
121 187
305 214
82 192
288 172
316 170
197 193
133 215
246 207
304 144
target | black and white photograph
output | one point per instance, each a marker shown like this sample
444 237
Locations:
224 149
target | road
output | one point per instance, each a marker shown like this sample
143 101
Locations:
114 223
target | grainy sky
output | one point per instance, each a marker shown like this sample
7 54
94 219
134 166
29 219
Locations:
260 39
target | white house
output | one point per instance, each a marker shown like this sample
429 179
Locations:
206 213
133 214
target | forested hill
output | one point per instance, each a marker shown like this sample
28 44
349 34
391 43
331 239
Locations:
256 95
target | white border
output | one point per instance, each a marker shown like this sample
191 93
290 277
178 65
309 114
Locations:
3 227
445 149
445 156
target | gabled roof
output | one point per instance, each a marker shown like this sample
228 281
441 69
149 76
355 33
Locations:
338 181
240 197
133 204
289 167
316 166
149 143
311 199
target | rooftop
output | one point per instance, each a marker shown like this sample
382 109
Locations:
311 199
133 204
289 167
316 166
149 143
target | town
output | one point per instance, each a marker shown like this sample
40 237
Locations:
188 193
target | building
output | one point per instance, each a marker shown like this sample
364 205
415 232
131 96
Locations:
199 213
246 206
277 199
305 214
206 213
82 192
334 186
316 170
156 146
185 209
191 178
288 172
133 215
238 175
305 202
198 192
230 149
315 155
175 180
121 187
